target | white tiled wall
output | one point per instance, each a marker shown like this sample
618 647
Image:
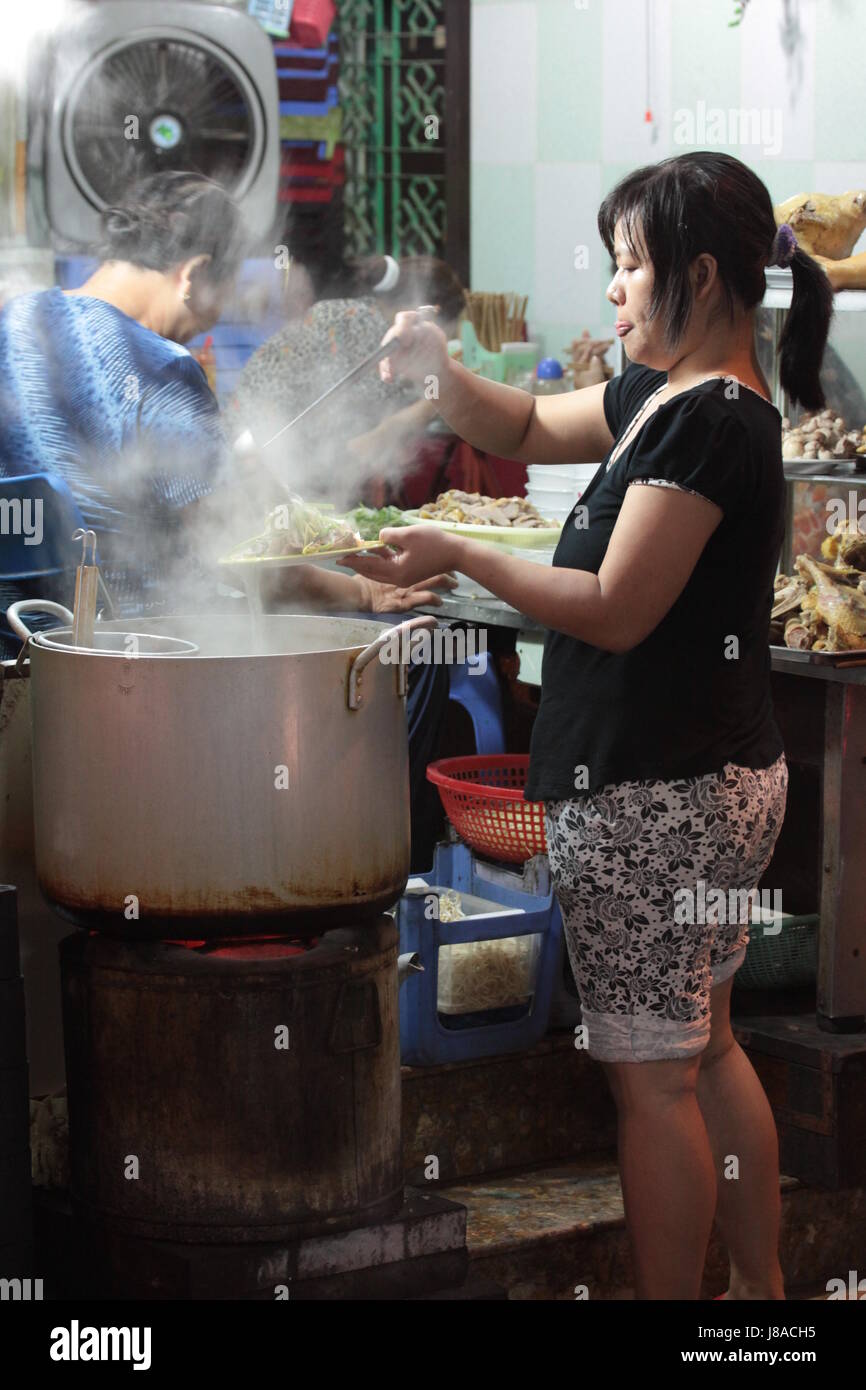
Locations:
504 83
560 92
628 90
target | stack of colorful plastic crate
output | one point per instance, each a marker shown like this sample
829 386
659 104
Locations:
312 169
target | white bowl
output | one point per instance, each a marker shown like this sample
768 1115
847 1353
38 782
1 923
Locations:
550 474
559 514
556 494
554 506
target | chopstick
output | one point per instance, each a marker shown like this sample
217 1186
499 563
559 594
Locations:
497 318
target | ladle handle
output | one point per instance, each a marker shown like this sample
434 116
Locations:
34 605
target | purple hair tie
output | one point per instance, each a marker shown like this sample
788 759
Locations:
784 246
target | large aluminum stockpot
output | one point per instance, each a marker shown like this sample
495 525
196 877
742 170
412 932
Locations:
223 789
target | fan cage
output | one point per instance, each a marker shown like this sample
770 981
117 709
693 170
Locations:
236 175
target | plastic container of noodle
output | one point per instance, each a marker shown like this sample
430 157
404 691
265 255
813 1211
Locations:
478 975
474 976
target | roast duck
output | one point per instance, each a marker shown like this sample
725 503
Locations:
825 224
823 606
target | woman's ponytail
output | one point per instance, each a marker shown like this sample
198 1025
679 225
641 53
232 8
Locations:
711 202
804 336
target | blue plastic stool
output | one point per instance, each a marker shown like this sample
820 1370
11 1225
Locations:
56 551
480 696
523 904
44 570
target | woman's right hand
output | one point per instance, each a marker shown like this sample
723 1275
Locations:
422 351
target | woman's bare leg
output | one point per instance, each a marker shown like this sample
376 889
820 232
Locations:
740 1126
667 1173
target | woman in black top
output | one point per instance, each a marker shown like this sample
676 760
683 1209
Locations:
655 749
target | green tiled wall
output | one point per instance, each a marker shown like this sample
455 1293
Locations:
565 61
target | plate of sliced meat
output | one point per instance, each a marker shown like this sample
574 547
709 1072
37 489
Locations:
509 520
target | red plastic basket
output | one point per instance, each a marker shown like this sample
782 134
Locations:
483 799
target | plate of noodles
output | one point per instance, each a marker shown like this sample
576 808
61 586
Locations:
299 534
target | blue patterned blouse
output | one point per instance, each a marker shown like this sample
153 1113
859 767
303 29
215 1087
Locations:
125 417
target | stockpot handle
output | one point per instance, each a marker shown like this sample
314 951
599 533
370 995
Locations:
34 605
363 659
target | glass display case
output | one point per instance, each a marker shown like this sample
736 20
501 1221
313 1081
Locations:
819 490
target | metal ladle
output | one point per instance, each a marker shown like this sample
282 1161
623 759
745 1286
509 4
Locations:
245 442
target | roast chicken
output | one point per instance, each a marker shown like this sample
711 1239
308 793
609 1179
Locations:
822 606
841 608
825 224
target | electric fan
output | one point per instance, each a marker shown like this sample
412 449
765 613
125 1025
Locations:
131 88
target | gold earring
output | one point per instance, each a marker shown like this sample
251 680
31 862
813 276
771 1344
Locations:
186 297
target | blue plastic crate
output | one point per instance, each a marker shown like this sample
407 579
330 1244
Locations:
70 272
298 54
310 74
320 146
311 108
520 904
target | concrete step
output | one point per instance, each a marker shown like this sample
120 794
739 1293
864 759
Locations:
552 1103
541 1233
548 1104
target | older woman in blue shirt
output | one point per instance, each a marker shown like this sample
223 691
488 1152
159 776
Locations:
97 388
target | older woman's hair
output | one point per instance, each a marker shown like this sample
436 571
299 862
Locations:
168 218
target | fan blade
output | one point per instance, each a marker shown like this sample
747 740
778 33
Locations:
205 134
151 78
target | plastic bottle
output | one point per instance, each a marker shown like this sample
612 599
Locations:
549 378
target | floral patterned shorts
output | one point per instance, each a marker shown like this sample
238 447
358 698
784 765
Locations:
633 865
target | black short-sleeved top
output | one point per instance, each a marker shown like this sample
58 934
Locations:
687 699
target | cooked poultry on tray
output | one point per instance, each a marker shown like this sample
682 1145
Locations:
825 224
823 606
821 435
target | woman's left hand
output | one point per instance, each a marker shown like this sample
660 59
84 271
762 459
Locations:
419 551
390 598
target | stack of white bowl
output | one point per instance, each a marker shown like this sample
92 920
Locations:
554 488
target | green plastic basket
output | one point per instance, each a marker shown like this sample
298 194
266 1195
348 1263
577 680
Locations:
784 960
477 358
